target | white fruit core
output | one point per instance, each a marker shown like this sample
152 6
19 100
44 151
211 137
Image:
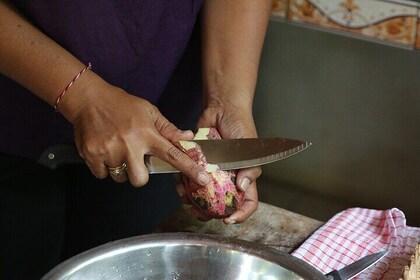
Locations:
187 145
202 134
211 167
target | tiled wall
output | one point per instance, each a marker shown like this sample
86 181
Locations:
394 22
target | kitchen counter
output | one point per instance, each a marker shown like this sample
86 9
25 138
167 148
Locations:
269 225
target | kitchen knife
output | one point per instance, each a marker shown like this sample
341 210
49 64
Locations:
355 268
226 153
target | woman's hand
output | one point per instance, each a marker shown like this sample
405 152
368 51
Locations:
236 122
232 122
232 35
113 127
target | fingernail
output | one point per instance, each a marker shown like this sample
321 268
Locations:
231 222
188 132
203 178
245 183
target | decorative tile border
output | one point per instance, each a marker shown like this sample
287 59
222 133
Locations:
388 21
417 44
279 8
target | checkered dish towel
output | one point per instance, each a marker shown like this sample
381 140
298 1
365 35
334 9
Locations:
357 232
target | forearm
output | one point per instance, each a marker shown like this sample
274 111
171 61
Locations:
232 38
36 62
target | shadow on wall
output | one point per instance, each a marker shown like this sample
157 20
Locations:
357 102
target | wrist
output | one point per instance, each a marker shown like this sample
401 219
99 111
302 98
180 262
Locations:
239 99
79 95
58 99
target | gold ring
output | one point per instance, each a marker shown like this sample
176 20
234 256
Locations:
117 171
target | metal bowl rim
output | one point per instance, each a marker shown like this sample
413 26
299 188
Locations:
267 253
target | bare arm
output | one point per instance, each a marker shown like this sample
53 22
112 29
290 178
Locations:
111 126
233 36
35 61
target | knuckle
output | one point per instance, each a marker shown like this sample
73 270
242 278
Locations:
100 174
89 149
94 149
167 125
163 125
140 180
152 107
174 153
107 147
195 168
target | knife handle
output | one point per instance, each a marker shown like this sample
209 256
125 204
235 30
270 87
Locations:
59 155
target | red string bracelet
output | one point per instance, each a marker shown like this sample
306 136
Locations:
57 101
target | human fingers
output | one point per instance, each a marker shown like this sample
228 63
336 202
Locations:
170 131
95 162
246 181
164 149
98 170
247 176
136 169
180 189
168 152
230 121
115 168
248 207
105 158
118 172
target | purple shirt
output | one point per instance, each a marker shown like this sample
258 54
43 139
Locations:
135 45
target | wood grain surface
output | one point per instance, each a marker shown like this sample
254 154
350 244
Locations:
269 225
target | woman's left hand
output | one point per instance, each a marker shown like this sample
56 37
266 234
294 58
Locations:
234 122
232 36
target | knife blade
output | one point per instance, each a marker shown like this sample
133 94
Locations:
226 153
231 154
356 267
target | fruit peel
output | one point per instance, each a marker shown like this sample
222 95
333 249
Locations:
220 198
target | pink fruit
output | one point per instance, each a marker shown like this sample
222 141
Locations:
220 198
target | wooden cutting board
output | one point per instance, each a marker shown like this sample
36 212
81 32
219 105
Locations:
269 225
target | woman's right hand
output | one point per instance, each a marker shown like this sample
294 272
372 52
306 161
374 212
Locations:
112 127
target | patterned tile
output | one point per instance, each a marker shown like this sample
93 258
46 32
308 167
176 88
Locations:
417 44
279 8
391 21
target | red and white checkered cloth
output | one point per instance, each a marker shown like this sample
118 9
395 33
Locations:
357 232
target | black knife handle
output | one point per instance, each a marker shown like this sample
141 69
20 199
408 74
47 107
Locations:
59 155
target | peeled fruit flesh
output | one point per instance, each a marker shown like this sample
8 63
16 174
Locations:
220 198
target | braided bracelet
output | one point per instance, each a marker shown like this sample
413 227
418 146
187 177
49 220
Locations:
57 101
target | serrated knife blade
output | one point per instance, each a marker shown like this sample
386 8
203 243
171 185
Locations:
226 153
231 154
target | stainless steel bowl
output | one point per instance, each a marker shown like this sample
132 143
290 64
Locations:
183 256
